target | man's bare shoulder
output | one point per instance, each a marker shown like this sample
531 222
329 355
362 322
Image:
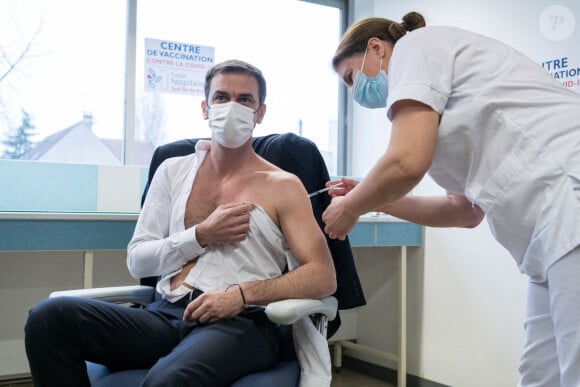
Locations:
276 176
271 171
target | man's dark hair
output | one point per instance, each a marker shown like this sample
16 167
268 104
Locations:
239 67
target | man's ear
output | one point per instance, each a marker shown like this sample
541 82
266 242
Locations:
204 110
260 113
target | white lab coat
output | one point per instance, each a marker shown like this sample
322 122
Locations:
509 137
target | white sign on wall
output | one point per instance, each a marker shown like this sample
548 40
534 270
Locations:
558 24
173 67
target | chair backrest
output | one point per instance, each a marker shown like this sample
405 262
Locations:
301 157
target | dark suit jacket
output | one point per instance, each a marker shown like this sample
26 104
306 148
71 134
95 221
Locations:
301 157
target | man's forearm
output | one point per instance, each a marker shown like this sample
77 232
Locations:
311 280
147 257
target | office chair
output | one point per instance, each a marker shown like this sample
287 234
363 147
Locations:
294 154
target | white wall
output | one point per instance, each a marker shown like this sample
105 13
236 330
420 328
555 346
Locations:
466 317
27 278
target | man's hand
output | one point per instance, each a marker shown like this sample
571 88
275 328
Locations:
226 224
214 306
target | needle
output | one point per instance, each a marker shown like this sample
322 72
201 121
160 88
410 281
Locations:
336 186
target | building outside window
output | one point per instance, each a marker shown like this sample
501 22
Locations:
62 72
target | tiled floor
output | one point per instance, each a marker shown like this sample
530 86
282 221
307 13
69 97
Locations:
16 384
349 378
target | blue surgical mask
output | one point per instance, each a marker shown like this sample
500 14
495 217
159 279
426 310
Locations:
370 92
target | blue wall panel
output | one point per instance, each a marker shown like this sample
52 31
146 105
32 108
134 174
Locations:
47 187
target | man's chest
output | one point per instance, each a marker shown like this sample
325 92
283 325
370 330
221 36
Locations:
207 195
203 199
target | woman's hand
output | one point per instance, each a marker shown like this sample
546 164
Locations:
338 219
346 186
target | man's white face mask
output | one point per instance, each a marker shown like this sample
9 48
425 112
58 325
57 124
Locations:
231 123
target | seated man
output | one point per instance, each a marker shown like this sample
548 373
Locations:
217 225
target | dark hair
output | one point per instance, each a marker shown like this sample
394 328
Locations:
240 67
356 38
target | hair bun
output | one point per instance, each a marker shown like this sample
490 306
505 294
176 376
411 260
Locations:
396 31
412 21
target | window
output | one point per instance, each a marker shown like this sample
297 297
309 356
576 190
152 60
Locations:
63 73
62 80
291 41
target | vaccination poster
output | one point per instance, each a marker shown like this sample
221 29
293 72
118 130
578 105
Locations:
173 67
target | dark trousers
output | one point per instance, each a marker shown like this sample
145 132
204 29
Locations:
61 333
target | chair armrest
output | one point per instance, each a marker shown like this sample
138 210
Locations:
289 311
136 294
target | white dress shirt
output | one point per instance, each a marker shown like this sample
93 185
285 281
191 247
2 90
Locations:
161 245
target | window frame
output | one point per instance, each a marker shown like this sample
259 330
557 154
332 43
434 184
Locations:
128 157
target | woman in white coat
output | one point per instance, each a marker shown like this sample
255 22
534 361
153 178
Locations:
502 137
